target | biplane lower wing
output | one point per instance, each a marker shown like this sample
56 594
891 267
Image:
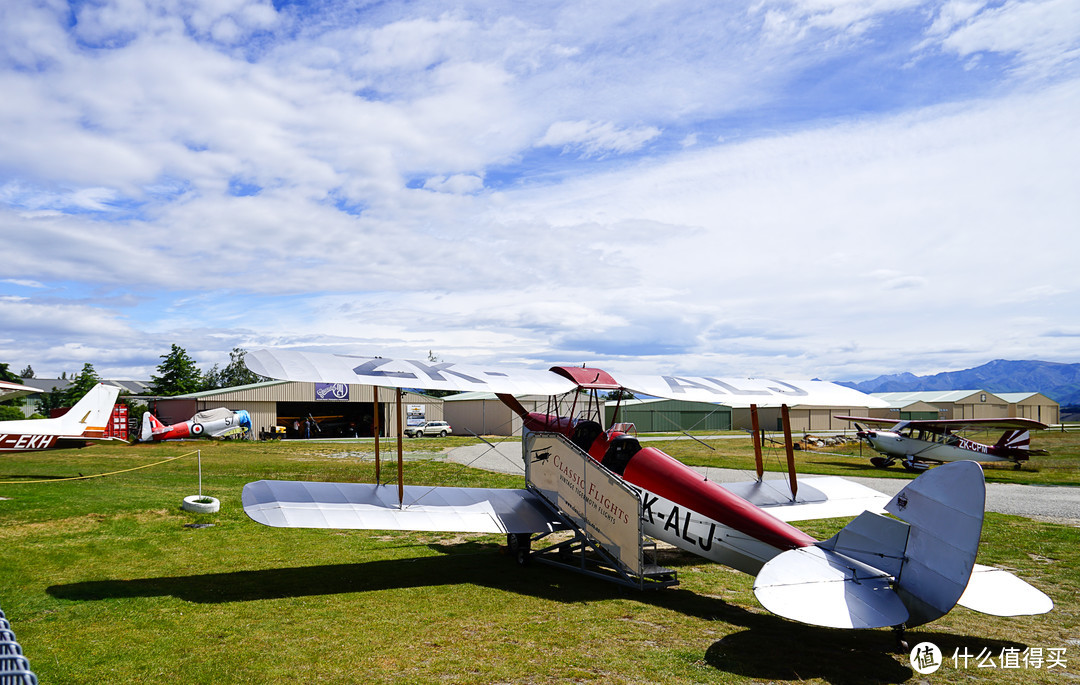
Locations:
364 506
818 498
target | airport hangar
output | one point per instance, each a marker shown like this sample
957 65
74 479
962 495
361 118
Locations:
967 404
339 410
484 414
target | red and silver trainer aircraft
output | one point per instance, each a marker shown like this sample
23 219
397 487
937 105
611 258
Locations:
616 495
209 423
83 423
918 444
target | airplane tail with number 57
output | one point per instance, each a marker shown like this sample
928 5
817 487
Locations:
615 496
918 443
85 422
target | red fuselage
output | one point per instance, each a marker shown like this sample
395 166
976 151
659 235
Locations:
652 470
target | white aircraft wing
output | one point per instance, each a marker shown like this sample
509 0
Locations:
9 391
298 504
316 367
742 392
819 497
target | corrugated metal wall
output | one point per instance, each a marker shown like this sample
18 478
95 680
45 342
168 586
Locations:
261 401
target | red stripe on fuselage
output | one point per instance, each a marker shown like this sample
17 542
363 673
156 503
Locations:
661 474
666 476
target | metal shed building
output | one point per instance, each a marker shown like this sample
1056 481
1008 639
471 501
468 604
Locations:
659 415
338 409
954 404
482 413
1032 405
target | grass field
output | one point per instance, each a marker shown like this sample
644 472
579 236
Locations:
104 583
1060 467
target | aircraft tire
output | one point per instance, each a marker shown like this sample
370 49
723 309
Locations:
880 462
192 504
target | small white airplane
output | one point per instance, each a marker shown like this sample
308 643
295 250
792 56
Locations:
918 443
83 423
209 423
616 495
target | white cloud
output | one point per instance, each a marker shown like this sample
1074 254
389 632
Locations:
393 176
1043 33
596 139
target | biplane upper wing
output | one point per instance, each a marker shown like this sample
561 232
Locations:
317 367
743 392
949 424
299 504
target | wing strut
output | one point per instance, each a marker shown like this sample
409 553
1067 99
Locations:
757 442
400 454
789 448
378 433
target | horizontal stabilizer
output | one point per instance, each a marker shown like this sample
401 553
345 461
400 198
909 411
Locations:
818 497
997 592
299 504
821 587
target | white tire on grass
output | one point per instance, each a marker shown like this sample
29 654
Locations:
191 503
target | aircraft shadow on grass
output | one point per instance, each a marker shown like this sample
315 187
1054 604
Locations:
836 656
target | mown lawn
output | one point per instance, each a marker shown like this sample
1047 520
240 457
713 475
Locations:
103 582
1060 467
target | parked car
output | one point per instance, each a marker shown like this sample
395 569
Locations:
429 428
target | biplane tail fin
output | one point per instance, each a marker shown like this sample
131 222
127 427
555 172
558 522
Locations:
909 570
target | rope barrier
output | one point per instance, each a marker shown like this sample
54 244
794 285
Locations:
96 475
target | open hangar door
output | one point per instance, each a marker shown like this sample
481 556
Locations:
330 419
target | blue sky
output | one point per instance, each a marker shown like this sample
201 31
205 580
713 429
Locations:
805 188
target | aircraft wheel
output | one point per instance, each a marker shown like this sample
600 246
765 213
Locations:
519 544
910 467
881 462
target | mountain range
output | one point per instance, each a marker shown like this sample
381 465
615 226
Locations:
1059 382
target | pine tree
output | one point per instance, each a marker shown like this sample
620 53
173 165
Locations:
178 374
236 373
81 384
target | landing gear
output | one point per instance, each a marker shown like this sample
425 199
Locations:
882 462
520 545
901 643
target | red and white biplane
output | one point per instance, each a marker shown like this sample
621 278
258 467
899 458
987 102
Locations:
83 423
616 496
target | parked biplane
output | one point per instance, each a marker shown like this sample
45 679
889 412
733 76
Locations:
919 443
616 495
82 424
209 423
